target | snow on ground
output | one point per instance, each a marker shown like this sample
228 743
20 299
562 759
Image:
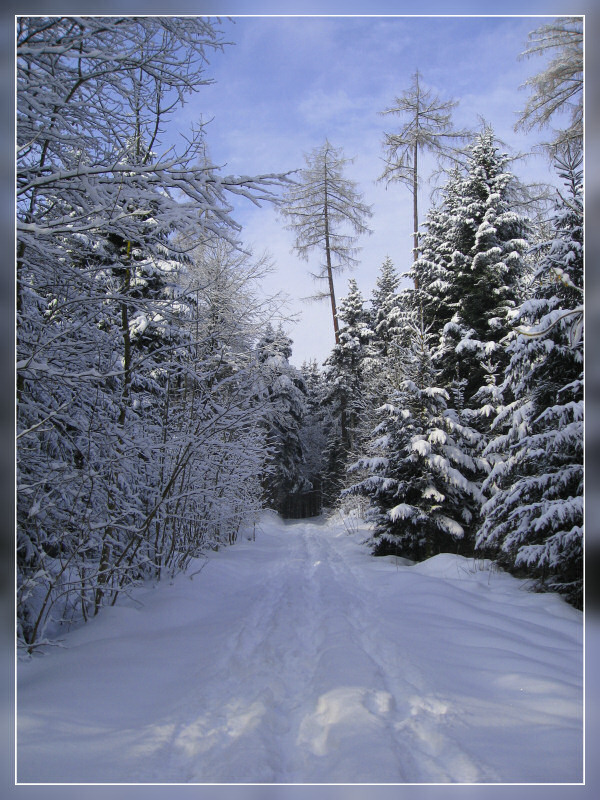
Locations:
298 658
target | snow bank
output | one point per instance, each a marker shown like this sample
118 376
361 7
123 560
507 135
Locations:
449 565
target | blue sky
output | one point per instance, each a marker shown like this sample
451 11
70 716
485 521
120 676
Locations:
287 83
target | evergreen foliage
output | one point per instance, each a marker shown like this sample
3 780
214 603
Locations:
435 295
283 393
419 475
534 514
386 309
316 423
486 265
346 377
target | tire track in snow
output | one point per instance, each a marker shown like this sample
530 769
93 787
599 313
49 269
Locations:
350 705
311 680
269 661
417 716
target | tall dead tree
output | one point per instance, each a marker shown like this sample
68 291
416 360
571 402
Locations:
322 206
426 126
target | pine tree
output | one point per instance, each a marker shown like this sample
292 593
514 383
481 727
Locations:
345 367
284 408
432 272
346 378
383 371
386 309
485 269
418 474
316 424
534 515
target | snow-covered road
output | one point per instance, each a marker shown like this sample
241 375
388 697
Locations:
297 658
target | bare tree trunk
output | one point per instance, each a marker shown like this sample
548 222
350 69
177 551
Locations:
336 329
415 197
415 208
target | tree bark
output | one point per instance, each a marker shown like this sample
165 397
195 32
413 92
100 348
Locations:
415 185
415 199
336 329
415 207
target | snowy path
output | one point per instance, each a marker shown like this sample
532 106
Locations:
299 659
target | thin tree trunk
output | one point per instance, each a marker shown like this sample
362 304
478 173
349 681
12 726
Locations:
416 185
415 206
336 329
102 579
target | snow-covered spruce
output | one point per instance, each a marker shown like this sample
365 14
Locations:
419 474
316 424
346 373
534 515
432 275
282 393
387 312
476 269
